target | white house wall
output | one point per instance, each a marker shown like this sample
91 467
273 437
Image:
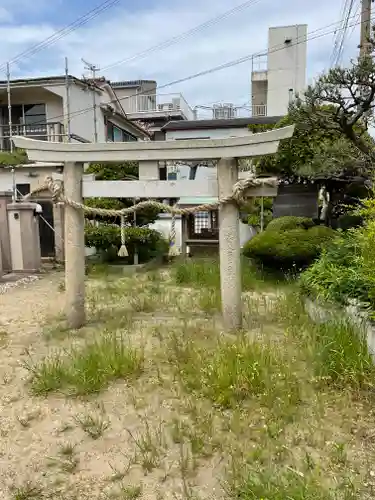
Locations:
22 177
81 124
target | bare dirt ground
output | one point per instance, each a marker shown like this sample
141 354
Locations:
178 414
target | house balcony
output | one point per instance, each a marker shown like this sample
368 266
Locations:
141 107
52 132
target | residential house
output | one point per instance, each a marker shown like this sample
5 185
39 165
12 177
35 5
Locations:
141 102
39 109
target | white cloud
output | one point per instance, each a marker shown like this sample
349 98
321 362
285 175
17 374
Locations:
121 33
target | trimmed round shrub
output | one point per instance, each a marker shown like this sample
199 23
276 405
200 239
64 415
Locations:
290 222
286 250
106 238
349 221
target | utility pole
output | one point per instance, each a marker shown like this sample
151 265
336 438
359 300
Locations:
365 34
93 69
67 104
10 125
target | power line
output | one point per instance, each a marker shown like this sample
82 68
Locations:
229 64
344 32
357 14
184 35
337 34
63 32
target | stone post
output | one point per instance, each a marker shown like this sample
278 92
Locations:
5 199
74 247
229 247
24 237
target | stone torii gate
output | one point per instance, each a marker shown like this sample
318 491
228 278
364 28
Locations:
226 151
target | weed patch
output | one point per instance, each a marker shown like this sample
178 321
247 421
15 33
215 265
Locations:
340 355
231 372
89 369
281 485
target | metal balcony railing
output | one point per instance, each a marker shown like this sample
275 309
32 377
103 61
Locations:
259 63
53 132
259 110
159 104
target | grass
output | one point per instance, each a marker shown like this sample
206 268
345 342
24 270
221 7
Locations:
87 369
206 272
280 485
282 410
94 425
340 355
150 446
28 491
130 492
229 372
66 460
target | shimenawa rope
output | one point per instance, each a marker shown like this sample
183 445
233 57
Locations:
238 196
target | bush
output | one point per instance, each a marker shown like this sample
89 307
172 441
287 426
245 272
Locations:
106 238
290 222
336 275
296 248
346 268
349 221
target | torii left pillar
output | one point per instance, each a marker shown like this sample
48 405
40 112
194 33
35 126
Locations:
74 231
229 246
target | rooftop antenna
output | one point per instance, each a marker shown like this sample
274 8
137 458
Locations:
93 68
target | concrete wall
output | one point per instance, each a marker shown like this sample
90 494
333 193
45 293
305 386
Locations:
286 67
259 94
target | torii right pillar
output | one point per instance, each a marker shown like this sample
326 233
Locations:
229 247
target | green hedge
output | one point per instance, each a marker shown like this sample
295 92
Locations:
106 238
290 222
286 250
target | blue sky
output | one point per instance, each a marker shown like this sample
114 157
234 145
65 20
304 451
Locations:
132 26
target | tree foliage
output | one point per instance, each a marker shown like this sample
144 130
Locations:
341 102
312 152
117 172
18 157
331 119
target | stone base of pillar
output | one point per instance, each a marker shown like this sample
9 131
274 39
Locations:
24 237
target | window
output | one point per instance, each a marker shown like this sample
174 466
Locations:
23 189
116 134
25 114
34 113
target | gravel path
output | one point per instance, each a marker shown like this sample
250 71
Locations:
35 430
23 310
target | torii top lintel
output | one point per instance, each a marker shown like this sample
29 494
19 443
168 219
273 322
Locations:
192 149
